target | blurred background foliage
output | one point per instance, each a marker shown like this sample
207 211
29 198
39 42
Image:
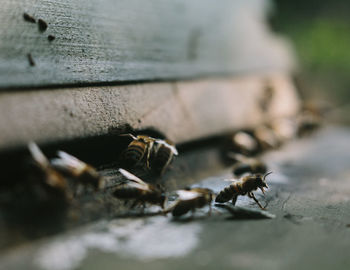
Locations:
320 32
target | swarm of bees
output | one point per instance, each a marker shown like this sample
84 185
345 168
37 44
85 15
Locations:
65 174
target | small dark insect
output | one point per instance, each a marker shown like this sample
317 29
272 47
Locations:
244 143
242 187
249 165
162 155
83 173
30 60
51 37
191 199
28 18
42 25
139 191
52 180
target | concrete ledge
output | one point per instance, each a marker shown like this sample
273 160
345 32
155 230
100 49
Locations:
183 111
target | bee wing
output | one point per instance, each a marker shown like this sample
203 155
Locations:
186 195
128 135
231 180
137 185
132 177
68 162
38 155
171 147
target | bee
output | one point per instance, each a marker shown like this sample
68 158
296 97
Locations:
309 119
249 165
191 199
139 149
157 154
244 143
85 174
244 186
266 137
52 180
267 96
136 189
284 128
162 155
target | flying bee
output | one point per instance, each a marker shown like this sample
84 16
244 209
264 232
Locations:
244 143
162 155
249 165
191 199
51 179
139 149
244 186
139 191
85 174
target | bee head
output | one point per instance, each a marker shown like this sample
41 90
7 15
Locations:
262 182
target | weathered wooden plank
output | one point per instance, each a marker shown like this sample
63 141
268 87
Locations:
129 40
181 110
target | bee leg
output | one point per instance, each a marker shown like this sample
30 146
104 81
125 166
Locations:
234 199
251 195
209 213
136 202
192 211
78 190
149 149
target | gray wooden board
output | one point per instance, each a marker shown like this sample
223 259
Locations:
129 40
183 111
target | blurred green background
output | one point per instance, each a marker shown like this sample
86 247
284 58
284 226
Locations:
320 32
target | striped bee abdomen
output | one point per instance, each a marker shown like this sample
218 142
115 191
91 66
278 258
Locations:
134 154
182 208
123 192
227 193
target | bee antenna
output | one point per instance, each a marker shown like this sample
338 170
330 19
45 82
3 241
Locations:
128 135
266 175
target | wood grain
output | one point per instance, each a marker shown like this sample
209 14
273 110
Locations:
103 41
